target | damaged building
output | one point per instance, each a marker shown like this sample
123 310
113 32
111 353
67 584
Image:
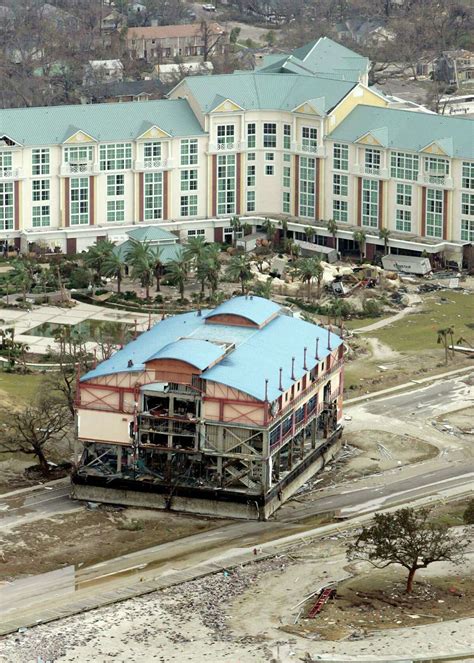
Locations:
224 412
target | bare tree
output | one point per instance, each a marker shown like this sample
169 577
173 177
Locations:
35 428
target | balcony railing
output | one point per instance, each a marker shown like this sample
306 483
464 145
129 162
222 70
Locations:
319 380
10 174
153 164
225 147
436 179
79 168
371 171
314 150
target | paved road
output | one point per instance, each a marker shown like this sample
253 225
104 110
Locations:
27 506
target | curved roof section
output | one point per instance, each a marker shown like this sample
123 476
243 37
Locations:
260 357
146 345
256 309
51 125
195 352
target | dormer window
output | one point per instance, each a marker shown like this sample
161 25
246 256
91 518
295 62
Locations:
225 136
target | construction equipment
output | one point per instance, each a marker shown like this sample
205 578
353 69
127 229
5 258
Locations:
324 596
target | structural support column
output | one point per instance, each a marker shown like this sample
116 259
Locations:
165 194
92 200
141 195
423 212
297 184
381 203
359 201
16 202
67 202
214 184
445 213
238 174
317 188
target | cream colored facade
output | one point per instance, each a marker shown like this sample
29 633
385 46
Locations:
246 162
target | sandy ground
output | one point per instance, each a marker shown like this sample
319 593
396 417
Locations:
236 617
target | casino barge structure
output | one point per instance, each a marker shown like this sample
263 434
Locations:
225 412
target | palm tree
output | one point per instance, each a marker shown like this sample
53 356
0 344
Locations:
208 267
113 267
269 228
307 270
360 237
141 257
22 277
194 249
178 273
158 265
443 338
96 254
384 233
284 230
239 270
236 227
310 232
332 229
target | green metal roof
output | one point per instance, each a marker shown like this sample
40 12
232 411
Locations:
323 57
51 125
152 234
263 91
409 130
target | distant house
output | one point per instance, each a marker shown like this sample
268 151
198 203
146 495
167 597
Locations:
174 72
112 22
103 71
166 42
451 67
122 91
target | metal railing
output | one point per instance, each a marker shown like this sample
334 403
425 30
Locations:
436 179
153 164
79 168
10 173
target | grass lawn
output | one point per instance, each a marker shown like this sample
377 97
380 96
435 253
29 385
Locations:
356 323
19 388
418 331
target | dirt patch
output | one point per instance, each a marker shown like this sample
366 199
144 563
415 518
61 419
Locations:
377 600
372 451
103 534
462 421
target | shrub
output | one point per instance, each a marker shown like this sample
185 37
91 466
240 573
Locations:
371 308
468 515
79 278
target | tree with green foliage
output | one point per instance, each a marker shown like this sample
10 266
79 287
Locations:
178 274
331 225
269 228
208 268
96 255
409 538
384 234
141 258
239 270
310 232
113 267
360 237
11 349
468 515
236 226
308 269
194 249
22 276
263 288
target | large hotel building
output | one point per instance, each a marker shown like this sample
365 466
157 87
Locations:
303 137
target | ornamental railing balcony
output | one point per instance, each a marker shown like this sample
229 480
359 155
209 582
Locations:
153 163
226 147
436 179
314 150
74 168
371 171
10 174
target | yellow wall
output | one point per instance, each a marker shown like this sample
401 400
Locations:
359 95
